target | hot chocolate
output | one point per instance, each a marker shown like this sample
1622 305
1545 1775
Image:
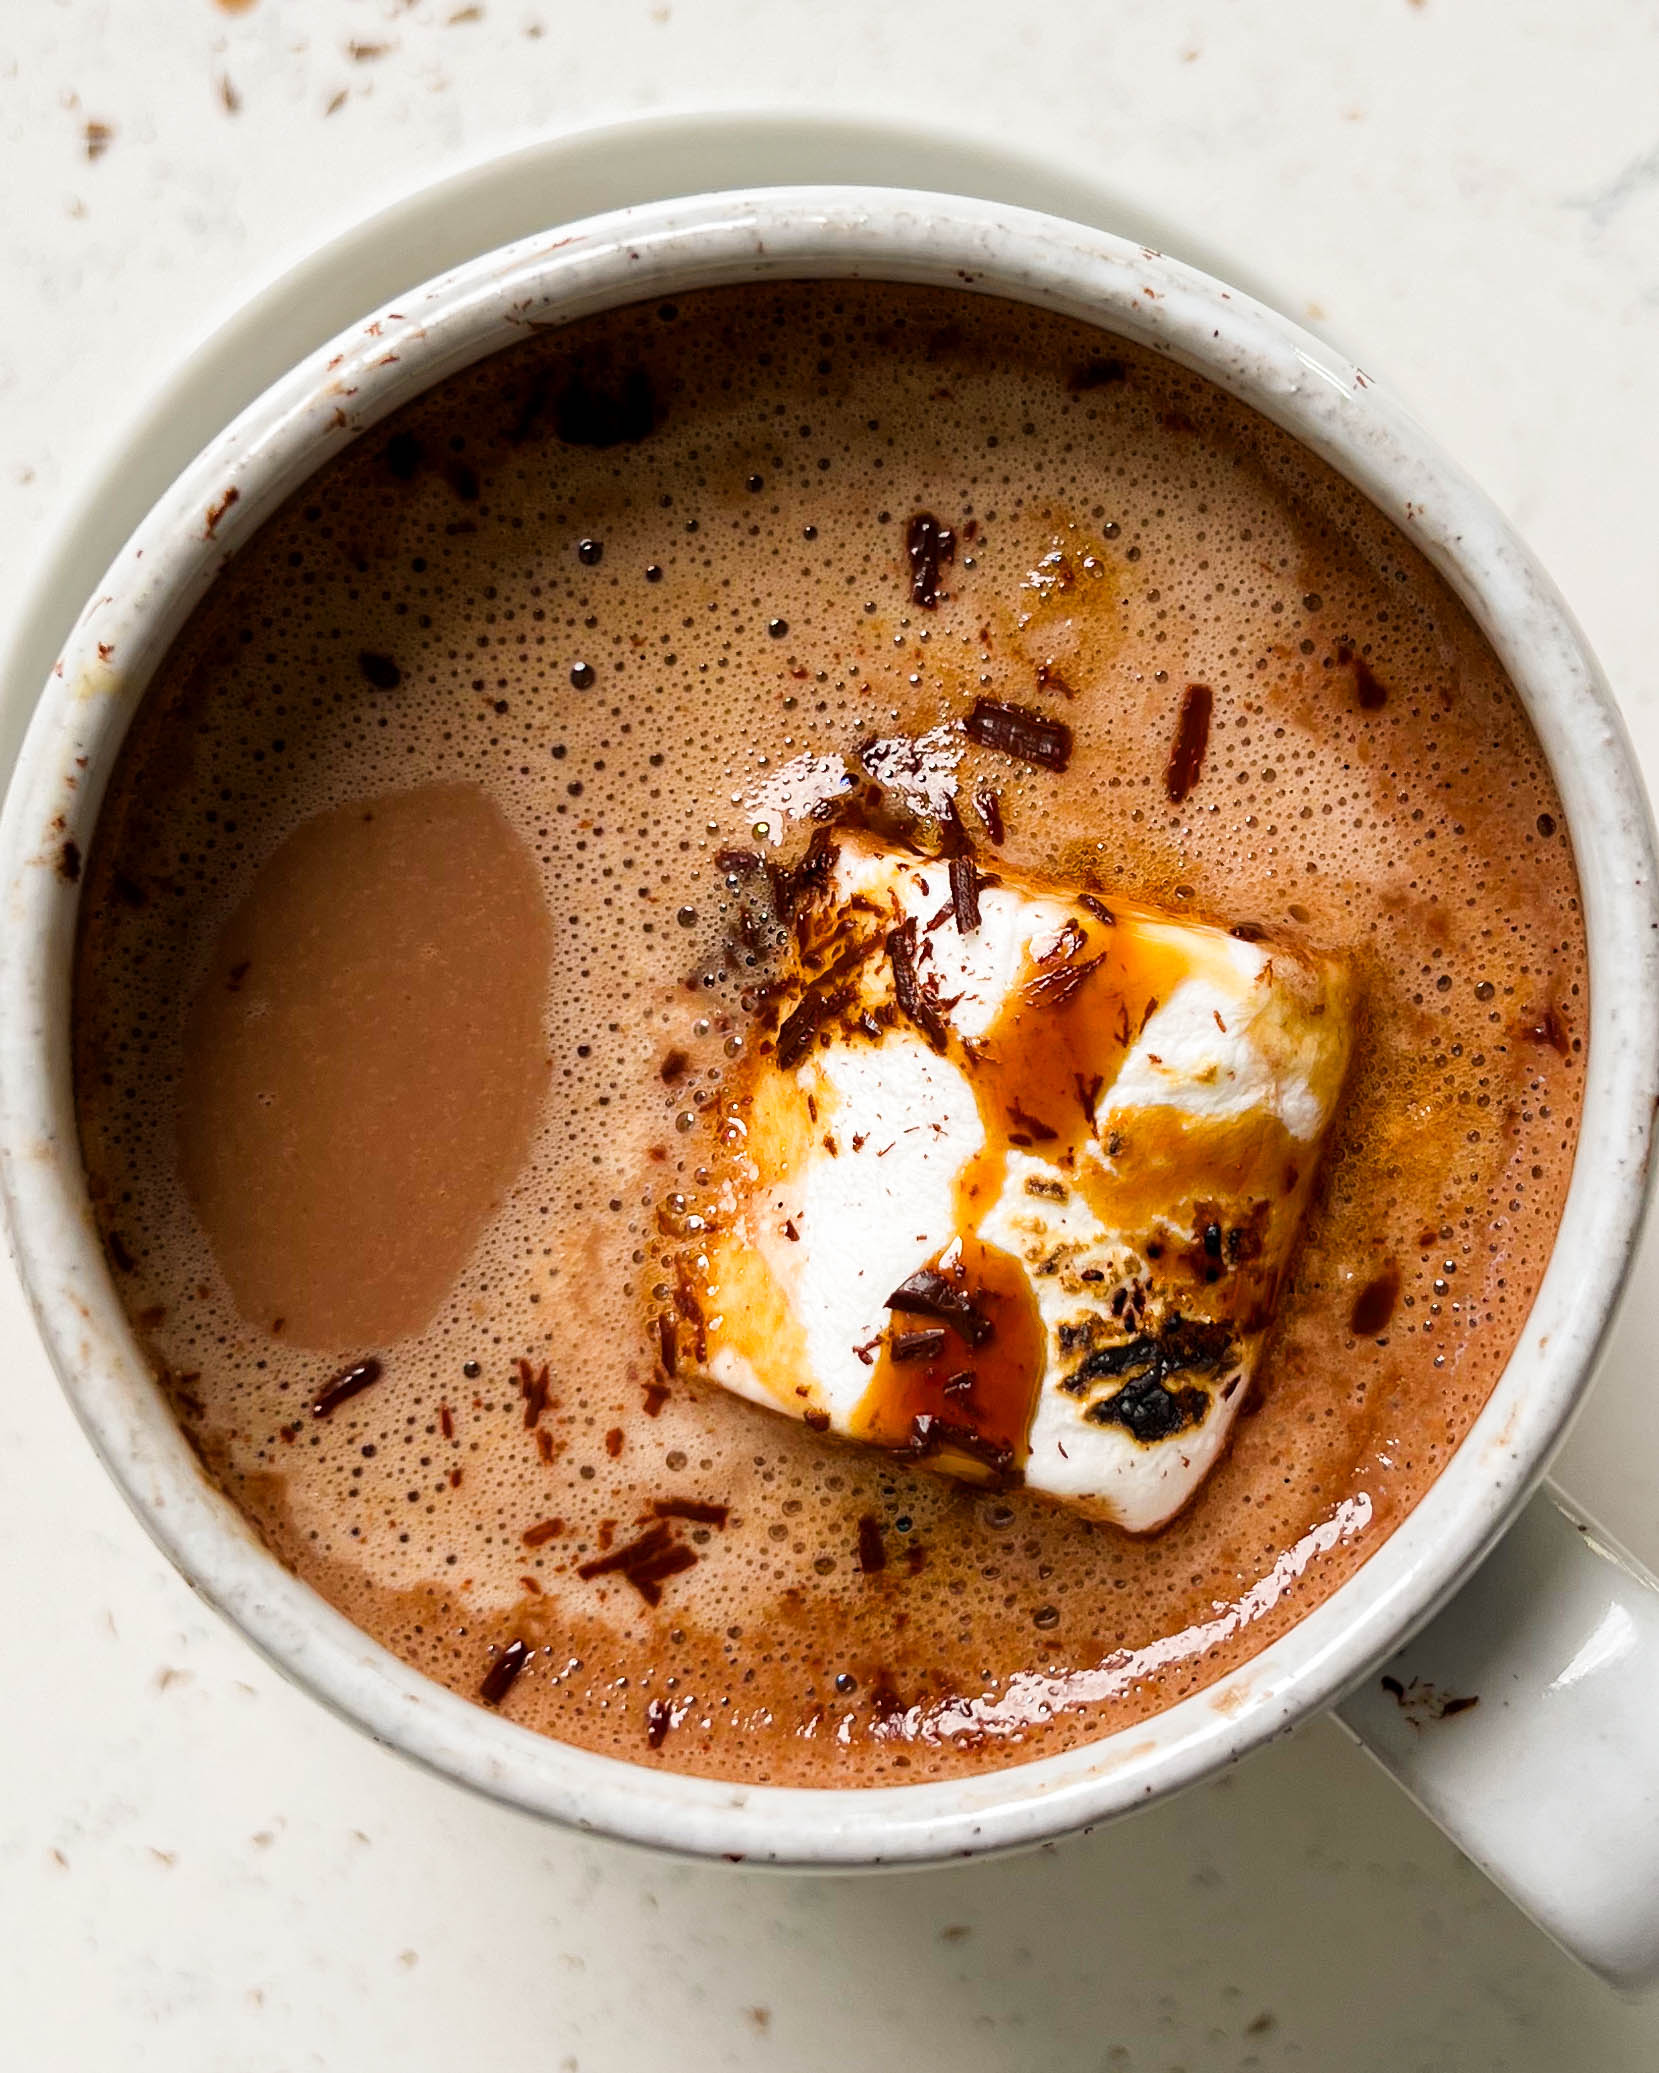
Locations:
420 983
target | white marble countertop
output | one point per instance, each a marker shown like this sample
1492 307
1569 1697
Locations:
198 1868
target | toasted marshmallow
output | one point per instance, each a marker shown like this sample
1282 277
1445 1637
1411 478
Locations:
1013 1183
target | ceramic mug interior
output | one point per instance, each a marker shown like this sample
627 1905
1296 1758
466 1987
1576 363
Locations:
672 248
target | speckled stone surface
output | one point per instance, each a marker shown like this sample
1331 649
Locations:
198 1868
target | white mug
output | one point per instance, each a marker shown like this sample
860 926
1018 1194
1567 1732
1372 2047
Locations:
1552 1781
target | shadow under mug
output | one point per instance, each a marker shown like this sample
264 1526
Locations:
1552 1781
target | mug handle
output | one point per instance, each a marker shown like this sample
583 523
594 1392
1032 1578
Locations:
1524 1721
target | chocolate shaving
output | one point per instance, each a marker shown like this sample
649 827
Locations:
646 1562
498 1679
1032 1130
659 1718
446 1421
694 1509
539 1536
933 1435
816 1421
1016 731
918 1345
989 808
1097 908
1192 735
1371 692
929 547
914 1004
533 1387
650 1577
668 1344
1054 989
346 1384
954 840
789 888
822 999
928 1294
872 1553
964 894
1374 1305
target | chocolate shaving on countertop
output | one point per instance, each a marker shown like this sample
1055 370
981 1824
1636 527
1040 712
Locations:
964 893
498 1679
927 1293
344 1385
1014 730
929 547
913 1001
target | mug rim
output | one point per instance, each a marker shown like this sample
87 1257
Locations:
666 248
